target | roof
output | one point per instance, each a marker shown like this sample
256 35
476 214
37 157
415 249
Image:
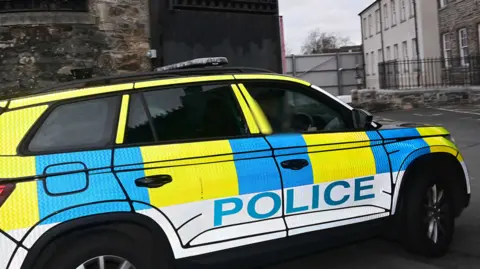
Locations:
367 8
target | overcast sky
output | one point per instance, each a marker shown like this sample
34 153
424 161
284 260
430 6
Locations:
302 16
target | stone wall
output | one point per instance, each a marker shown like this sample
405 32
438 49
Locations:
39 49
460 14
384 100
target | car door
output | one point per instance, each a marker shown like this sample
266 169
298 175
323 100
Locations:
333 174
189 152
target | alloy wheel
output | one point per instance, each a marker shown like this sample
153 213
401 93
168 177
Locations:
436 213
106 262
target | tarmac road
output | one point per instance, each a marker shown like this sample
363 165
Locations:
464 124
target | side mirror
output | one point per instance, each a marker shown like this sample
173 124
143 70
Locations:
362 119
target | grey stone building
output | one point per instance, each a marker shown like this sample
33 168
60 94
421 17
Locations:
459 26
42 41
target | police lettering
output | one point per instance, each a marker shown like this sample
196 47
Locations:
230 206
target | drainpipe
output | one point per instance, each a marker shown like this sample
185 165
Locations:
381 37
363 51
417 37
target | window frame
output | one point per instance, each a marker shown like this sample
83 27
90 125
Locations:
315 94
23 149
461 48
442 3
370 25
385 16
403 11
393 8
229 83
446 37
378 27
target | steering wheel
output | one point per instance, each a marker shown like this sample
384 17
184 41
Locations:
301 122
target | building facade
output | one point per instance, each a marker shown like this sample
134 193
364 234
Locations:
398 30
41 42
459 26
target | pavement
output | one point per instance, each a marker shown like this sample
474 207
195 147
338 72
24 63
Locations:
464 124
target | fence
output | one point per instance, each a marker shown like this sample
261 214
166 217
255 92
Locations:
437 72
334 72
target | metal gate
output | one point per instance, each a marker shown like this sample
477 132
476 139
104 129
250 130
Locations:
247 32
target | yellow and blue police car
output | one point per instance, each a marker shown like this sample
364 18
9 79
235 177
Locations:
200 163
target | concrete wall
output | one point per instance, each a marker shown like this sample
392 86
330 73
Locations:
384 100
38 49
335 73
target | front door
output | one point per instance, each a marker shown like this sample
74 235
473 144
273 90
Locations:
333 175
191 153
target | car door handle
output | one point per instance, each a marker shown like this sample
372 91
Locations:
297 164
153 181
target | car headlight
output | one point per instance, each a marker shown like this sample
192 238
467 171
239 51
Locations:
451 138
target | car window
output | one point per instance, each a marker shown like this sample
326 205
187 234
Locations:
289 108
77 126
184 113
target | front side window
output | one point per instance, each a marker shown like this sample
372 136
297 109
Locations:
184 113
77 126
291 108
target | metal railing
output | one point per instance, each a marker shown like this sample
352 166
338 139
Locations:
43 5
435 72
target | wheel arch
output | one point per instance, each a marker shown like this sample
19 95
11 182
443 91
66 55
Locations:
106 219
438 158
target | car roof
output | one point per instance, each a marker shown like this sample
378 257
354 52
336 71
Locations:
125 82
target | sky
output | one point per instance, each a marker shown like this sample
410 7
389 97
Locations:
339 16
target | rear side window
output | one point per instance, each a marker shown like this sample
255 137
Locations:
186 113
77 126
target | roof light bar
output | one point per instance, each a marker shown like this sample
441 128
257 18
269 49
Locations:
200 62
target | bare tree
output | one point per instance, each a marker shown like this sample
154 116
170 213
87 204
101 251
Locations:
319 42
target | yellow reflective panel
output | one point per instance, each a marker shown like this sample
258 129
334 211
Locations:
183 80
40 99
14 125
441 144
194 177
340 156
21 208
122 120
252 125
3 103
429 131
260 118
460 157
274 77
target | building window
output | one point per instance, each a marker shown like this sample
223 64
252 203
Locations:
370 25
414 49
373 62
387 55
43 5
385 16
380 56
365 33
443 3
394 12
395 52
447 48
377 21
367 66
403 11
405 56
463 45
412 8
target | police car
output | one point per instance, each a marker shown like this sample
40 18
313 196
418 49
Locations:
200 162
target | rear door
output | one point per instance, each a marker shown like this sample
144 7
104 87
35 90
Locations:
333 175
191 153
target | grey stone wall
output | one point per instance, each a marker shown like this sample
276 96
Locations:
39 49
384 100
460 14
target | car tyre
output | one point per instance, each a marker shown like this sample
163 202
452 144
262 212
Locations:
104 248
428 220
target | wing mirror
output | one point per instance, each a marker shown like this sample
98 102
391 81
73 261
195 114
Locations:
362 119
